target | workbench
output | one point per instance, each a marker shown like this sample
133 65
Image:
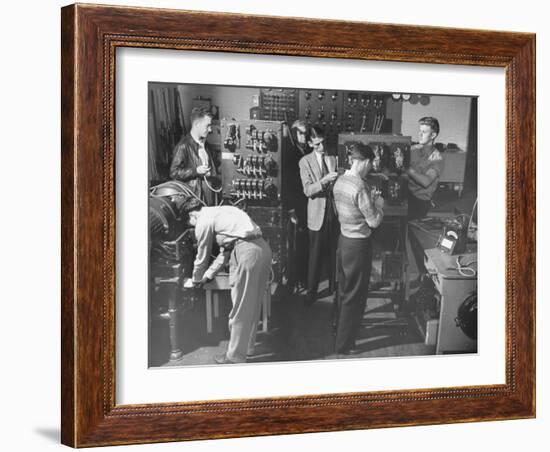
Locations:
221 283
453 286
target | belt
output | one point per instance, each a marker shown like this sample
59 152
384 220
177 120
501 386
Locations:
249 239
242 240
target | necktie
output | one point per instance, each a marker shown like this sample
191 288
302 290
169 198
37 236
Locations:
331 208
324 169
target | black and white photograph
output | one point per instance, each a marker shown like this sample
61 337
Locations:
294 224
264 226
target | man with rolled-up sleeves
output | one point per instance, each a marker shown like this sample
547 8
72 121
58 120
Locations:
240 240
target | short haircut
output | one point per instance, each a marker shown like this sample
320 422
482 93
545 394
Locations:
199 113
316 132
299 123
430 121
190 204
360 151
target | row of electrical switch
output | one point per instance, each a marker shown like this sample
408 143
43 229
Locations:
255 165
254 189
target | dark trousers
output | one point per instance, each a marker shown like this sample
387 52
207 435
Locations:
298 257
354 262
418 208
322 251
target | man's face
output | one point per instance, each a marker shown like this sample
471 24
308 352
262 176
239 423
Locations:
425 134
317 145
203 127
301 135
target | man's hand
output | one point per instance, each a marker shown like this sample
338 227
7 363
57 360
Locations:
197 284
330 177
377 199
292 216
379 202
188 283
203 170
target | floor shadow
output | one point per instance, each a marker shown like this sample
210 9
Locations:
51 433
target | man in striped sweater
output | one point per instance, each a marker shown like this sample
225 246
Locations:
359 211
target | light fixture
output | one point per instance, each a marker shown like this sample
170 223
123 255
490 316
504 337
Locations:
412 98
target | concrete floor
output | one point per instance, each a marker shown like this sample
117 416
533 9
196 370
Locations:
295 333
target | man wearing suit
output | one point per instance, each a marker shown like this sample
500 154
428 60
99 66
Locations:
318 172
296 202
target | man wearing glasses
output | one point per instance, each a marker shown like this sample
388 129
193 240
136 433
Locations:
318 173
296 203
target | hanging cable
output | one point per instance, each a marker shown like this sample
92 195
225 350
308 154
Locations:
210 186
238 201
466 270
471 216
186 192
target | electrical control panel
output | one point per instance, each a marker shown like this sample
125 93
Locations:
344 111
364 112
278 104
251 161
323 108
392 157
392 152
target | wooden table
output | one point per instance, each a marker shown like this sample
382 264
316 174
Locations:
220 283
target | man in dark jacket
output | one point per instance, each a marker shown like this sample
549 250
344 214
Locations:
296 202
193 162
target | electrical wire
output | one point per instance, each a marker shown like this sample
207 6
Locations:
460 216
210 186
466 270
187 192
471 216
238 201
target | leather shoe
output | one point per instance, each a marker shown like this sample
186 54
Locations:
350 351
309 300
223 359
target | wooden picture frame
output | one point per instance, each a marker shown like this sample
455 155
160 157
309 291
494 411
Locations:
90 37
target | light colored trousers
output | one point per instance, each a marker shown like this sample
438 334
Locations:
249 270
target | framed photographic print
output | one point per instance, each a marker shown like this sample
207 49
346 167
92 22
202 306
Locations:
281 225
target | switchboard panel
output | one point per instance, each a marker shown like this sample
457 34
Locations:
251 161
344 111
392 156
364 112
278 104
251 169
